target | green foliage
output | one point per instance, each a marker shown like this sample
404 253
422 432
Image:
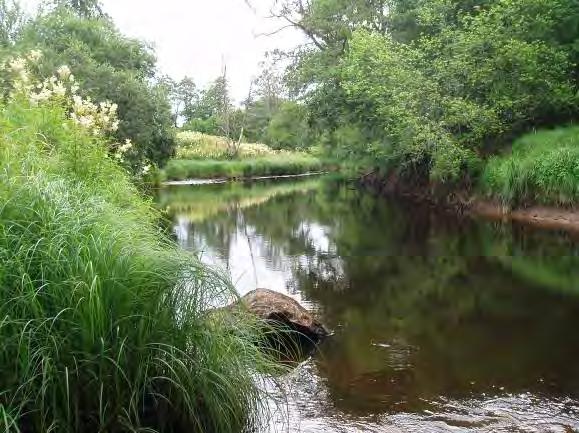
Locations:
84 8
258 115
288 128
205 126
428 88
108 66
103 320
543 167
183 95
12 19
275 165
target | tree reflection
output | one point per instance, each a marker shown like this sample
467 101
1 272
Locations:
424 305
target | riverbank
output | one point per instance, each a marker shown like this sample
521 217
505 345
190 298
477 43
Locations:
103 317
465 202
545 217
284 164
202 156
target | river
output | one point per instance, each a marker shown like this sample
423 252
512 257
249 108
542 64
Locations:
440 324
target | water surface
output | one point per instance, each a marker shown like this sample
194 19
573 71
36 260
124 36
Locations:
441 325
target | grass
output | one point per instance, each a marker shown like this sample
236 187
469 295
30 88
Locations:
542 168
204 156
275 165
103 320
195 145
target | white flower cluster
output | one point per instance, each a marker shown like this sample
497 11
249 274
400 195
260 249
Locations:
122 149
98 119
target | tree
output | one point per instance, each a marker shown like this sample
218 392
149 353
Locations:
108 66
183 96
84 8
449 98
12 19
288 128
212 112
267 95
426 88
330 23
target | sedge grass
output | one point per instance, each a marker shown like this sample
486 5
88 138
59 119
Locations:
542 168
103 320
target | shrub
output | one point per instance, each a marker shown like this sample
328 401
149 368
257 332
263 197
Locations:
108 66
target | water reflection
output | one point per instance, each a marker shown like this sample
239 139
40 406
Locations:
441 324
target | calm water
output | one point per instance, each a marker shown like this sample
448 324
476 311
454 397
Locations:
440 325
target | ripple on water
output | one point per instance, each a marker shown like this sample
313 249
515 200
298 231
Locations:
306 407
522 413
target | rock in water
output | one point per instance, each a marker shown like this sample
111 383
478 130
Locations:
278 308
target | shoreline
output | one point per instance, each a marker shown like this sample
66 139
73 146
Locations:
543 217
464 203
220 180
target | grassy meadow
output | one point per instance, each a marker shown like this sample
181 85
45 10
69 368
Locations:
205 156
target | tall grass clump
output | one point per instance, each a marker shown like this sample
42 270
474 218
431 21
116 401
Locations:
543 167
103 321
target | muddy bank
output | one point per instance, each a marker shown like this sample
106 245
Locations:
540 216
463 202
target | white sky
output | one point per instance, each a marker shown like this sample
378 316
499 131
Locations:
195 37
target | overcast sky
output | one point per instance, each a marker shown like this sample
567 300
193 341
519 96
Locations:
195 37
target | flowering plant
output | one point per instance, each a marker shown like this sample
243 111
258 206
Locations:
98 119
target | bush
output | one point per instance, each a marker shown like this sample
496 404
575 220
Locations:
542 167
103 320
108 66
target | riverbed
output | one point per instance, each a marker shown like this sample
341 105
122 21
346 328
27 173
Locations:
440 324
